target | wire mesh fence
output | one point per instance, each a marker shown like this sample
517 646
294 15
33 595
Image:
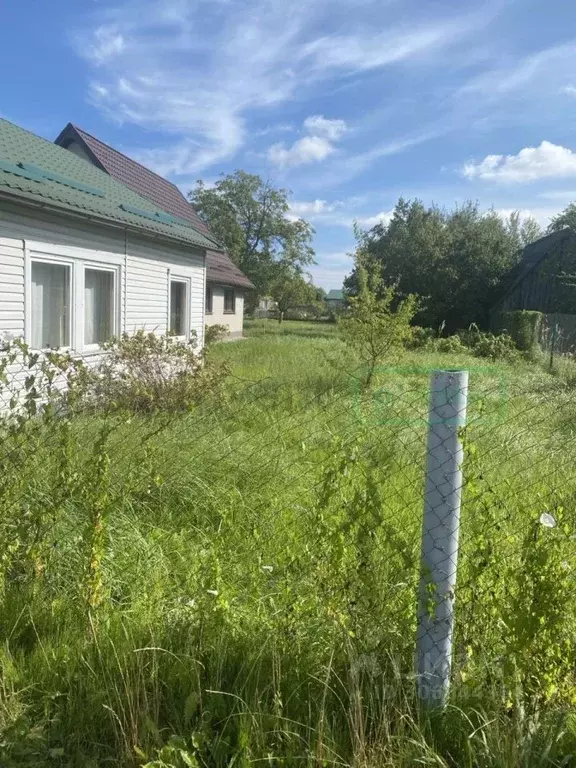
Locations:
277 518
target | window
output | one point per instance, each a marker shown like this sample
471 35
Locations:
50 311
229 301
208 300
98 306
178 307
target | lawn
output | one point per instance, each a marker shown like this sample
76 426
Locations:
238 585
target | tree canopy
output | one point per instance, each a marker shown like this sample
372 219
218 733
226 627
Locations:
249 217
455 261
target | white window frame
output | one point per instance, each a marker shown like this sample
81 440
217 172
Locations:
116 300
77 269
174 277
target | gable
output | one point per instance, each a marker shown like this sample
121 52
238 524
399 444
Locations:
219 266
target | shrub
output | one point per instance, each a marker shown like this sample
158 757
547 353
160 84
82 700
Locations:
147 373
500 347
450 345
523 326
420 337
214 333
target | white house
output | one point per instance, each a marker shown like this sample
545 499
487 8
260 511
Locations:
226 285
83 257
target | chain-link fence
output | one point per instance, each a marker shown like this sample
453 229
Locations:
284 523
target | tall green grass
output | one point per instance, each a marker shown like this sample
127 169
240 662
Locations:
249 595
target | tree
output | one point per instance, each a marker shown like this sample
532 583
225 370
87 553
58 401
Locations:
455 261
248 216
289 289
376 322
565 219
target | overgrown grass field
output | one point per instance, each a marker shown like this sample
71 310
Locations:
237 585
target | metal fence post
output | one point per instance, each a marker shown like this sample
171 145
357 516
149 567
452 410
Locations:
440 528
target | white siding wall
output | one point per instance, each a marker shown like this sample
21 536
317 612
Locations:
143 266
234 322
11 286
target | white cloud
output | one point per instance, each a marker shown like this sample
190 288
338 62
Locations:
541 215
530 164
569 90
367 222
310 149
333 130
311 208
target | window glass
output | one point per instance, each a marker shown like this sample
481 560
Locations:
177 308
50 312
98 306
229 300
208 299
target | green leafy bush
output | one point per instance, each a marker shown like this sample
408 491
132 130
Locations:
420 337
523 326
496 347
450 345
214 333
146 373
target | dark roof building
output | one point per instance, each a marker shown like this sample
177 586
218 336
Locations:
219 266
540 281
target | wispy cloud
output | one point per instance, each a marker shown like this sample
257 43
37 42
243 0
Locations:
106 43
530 164
312 208
199 71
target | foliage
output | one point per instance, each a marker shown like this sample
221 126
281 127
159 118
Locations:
147 373
522 231
245 578
248 216
567 218
421 337
376 323
214 333
455 261
450 345
289 290
524 327
496 347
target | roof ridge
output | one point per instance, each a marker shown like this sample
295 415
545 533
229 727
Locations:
123 155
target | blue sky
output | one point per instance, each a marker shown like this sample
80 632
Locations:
349 105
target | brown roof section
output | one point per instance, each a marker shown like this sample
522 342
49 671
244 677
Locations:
219 267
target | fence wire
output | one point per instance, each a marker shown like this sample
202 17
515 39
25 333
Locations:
296 518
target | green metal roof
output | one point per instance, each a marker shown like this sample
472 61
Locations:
35 170
335 294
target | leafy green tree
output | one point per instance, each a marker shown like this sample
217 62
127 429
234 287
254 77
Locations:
289 289
567 218
455 261
249 217
376 322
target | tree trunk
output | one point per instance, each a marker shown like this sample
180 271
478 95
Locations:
280 316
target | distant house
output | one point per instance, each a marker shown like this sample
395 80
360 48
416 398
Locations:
266 307
225 283
83 257
335 298
545 281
